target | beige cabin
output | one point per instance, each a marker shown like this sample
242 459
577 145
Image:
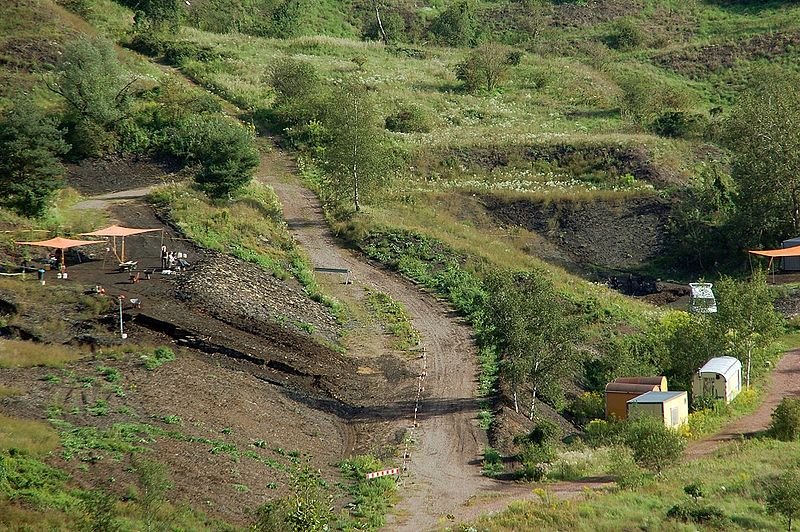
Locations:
670 407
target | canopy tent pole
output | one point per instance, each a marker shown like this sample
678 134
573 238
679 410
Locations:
123 249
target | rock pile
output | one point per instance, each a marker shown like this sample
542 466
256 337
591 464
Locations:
231 288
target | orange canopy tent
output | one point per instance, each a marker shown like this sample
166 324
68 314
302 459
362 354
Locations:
61 243
793 251
115 231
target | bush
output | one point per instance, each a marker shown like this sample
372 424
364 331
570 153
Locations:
624 468
625 35
410 119
786 420
159 357
485 68
600 433
589 406
694 513
654 446
456 25
492 462
676 124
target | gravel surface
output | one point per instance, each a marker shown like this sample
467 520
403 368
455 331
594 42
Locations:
227 286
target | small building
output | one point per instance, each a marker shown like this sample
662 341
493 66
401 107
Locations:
670 407
701 299
720 378
790 264
619 393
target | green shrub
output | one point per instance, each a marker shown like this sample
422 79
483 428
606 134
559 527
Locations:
159 357
587 407
625 35
492 463
409 119
692 512
654 445
786 420
627 473
600 433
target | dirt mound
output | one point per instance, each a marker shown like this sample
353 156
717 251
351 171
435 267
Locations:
593 12
611 234
697 62
592 161
230 287
29 53
111 174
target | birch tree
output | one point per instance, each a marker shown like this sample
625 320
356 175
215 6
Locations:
534 333
357 159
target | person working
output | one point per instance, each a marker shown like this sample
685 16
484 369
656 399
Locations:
164 256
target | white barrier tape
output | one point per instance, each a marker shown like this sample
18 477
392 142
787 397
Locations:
385 472
420 389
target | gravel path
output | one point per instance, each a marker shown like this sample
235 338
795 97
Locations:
443 473
784 381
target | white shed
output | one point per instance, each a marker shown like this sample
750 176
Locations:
702 299
720 378
791 264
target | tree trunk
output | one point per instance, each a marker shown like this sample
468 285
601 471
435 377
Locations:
380 24
516 404
356 203
533 403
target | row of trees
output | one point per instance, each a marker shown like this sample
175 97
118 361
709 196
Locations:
337 123
106 109
538 333
751 201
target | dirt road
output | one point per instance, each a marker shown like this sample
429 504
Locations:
442 472
783 382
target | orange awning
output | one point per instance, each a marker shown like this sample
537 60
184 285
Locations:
793 251
118 230
61 243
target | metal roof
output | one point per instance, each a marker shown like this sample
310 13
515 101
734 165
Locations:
702 290
721 365
656 397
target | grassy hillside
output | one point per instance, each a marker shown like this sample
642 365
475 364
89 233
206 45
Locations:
607 114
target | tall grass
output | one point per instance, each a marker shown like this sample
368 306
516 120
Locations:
21 354
30 436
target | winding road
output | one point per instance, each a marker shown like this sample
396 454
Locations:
442 473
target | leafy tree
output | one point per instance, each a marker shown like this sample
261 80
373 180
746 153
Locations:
456 25
225 152
30 170
654 445
535 335
97 90
783 496
747 319
156 15
683 343
485 67
785 423
292 80
388 26
763 132
358 157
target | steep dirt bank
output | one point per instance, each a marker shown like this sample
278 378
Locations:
602 234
